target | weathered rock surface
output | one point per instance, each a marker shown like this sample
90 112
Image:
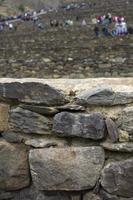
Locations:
125 121
33 194
16 137
46 142
98 96
37 141
117 178
121 147
76 197
112 130
25 121
4 109
122 98
106 196
71 107
91 196
123 136
54 168
14 171
104 96
43 110
31 92
83 125
58 196
5 195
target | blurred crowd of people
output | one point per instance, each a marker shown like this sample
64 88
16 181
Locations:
111 25
107 24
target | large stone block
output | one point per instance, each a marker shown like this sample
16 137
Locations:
67 169
25 121
83 125
117 178
98 96
4 109
31 92
104 96
14 170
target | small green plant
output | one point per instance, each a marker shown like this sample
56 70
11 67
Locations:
21 8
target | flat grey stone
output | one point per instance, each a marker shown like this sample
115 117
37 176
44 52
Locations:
83 125
122 98
16 137
43 110
32 92
104 96
66 169
98 96
71 107
25 121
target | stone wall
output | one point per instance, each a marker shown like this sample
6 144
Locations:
66 139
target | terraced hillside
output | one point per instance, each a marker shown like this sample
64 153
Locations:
71 52
13 6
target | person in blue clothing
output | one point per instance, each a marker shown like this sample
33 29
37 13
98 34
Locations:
96 30
105 31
